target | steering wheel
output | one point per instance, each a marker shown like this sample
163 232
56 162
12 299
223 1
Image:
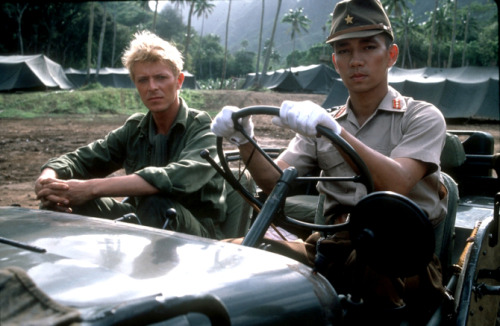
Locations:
364 176
377 222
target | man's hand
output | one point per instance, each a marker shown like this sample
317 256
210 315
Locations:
223 126
46 187
50 191
303 117
61 195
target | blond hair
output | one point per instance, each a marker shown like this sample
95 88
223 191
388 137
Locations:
148 47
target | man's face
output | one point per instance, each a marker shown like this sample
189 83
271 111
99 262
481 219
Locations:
363 62
157 85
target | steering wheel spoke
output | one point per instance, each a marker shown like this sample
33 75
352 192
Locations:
363 177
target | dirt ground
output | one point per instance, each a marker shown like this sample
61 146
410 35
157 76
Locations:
26 144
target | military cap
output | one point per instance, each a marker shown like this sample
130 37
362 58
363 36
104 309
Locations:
358 18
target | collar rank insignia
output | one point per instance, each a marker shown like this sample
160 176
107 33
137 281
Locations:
396 104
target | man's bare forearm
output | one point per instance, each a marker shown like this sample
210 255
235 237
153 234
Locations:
264 174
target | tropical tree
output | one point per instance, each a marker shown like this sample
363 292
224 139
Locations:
432 34
405 27
225 46
211 57
17 10
271 40
113 14
101 40
442 30
89 40
257 65
188 34
178 4
155 15
453 33
242 62
299 23
274 55
402 18
203 9
466 34
170 26
397 7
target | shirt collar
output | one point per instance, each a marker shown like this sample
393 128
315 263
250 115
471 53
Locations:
393 101
180 119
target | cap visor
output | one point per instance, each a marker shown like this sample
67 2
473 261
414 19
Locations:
359 34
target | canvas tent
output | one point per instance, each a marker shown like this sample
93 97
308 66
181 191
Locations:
116 77
190 81
31 72
303 79
460 93
108 77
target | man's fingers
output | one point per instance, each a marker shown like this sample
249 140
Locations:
61 208
52 203
52 197
56 186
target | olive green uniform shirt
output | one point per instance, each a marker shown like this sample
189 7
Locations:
186 177
400 127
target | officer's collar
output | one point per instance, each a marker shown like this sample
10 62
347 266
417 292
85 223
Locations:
392 102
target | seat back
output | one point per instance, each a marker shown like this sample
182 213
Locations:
444 233
453 154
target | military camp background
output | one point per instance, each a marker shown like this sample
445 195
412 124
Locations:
85 35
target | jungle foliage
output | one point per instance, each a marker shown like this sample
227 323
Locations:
60 30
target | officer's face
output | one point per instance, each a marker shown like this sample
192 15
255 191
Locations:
157 84
363 63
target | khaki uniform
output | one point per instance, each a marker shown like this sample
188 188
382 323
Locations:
400 127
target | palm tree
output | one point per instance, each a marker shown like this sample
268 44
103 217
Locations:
466 35
408 27
89 40
433 29
101 40
403 17
178 4
441 31
225 47
271 42
396 7
299 23
155 15
202 9
257 77
453 33
188 35
114 13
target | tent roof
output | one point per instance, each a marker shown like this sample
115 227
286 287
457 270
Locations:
463 93
31 72
307 79
465 75
117 77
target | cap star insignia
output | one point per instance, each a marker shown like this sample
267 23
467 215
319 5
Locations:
348 19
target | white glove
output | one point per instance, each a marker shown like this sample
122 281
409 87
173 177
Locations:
223 126
303 117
